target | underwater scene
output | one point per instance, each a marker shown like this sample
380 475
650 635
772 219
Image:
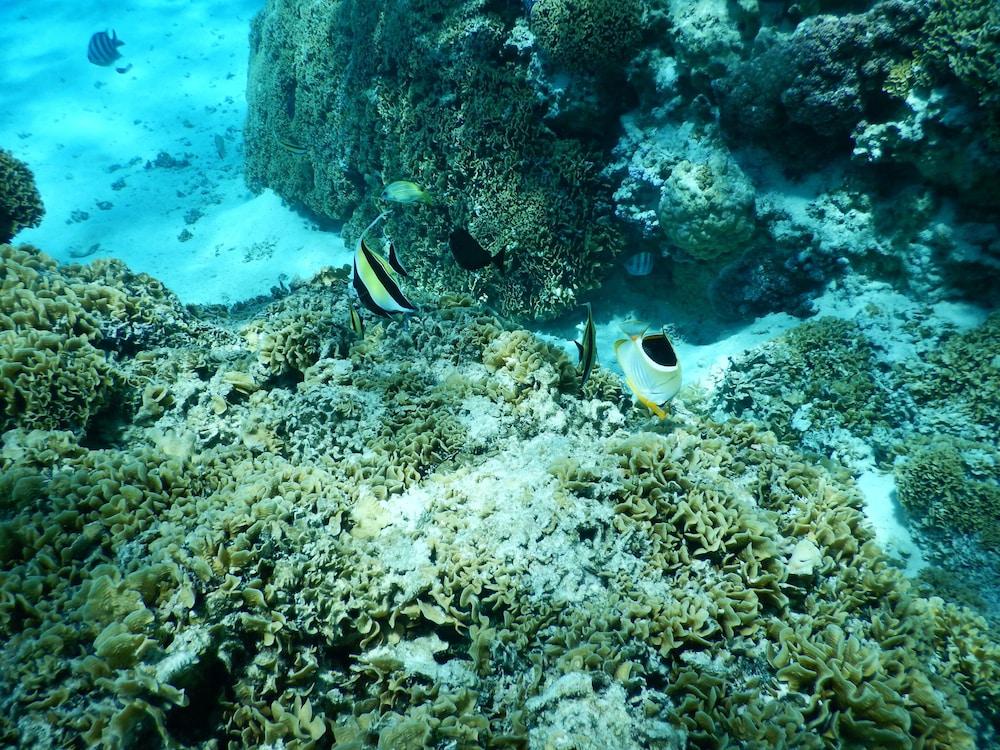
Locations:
481 374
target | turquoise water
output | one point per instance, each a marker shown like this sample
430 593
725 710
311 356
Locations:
296 448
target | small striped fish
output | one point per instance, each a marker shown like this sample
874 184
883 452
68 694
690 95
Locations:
291 145
587 348
103 49
357 324
640 264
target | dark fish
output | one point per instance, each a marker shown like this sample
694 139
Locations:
640 264
587 348
103 49
469 254
124 69
373 282
397 266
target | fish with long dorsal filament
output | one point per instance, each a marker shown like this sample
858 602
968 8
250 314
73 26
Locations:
372 277
587 347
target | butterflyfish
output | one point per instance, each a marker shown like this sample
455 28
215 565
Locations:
404 191
640 264
372 278
469 254
357 324
587 347
103 48
652 370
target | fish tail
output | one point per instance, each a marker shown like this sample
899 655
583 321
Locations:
498 260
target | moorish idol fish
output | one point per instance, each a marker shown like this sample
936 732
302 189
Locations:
357 324
652 370
373 280
587 348
469 254
103 49
404 191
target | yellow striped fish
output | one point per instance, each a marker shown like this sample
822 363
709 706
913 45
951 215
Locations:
372 278
404 191
652 370
291 145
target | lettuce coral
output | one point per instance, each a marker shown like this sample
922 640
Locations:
434 538
20 203
951 485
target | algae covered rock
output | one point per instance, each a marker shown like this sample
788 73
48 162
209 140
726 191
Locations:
20 203
587 34
707 209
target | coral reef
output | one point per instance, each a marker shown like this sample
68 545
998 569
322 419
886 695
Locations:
707 209
431 537
763 149
587 34
817 387
951 485
865 136
20 203
458 98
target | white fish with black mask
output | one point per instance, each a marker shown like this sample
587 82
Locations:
651 367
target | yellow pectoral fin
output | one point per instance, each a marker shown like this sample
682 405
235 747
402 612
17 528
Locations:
653 407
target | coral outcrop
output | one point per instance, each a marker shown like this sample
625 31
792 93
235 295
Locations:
866 135
20 203
461 99
430 537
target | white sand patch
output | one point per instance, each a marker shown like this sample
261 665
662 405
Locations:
92 138
882 509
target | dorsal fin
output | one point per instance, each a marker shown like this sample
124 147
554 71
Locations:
394 260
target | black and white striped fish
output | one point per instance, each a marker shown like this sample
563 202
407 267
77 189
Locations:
103 49
640 264
372 280
587 347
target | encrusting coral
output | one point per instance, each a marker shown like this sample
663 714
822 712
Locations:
431 538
